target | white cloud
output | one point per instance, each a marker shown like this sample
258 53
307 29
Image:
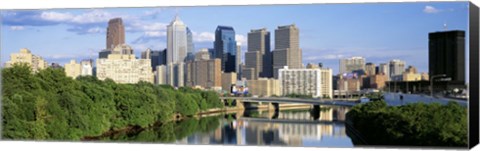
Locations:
95 16
17 27
155 33
241 39
203 37
56 16
324 57
430 9
95 30
139 26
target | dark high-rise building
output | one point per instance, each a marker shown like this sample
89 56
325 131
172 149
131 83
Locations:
115 33
259 55
225 47
446 55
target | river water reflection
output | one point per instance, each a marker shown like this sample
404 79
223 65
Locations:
299 127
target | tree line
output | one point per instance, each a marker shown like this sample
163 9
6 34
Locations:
48 105
415 124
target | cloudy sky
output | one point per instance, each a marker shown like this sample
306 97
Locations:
377 31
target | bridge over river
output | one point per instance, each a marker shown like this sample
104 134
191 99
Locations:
277 102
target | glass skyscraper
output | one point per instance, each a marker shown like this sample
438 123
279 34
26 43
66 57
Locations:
225 47
190 46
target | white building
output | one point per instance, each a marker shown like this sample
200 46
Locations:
73 69
300 81
25 56
396 67
176 52
86 67
160 73
123 67
326 82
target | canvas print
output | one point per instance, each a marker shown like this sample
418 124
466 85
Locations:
306 75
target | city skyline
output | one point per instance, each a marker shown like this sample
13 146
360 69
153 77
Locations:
80 33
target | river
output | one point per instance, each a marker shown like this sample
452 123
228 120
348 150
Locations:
322 127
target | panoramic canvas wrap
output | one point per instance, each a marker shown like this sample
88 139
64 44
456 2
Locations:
307 75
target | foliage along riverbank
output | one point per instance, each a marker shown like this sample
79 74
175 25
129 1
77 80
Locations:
48 105
415 124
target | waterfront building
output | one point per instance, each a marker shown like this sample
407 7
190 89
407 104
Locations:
287 49
264 87
36 63
353 64
122 67
115 33
300 81
225 47
228 79
73 69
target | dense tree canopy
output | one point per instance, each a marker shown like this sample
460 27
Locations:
48 105
415 124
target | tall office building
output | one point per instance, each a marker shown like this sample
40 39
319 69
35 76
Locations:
176 52
115 33
190 45
25 56
446 54
396 67
264 87
353 64
370 69
260 56
225 47
287 49
123 67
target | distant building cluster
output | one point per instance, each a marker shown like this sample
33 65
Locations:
265 71
25 56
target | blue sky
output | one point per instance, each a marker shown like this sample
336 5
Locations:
377 31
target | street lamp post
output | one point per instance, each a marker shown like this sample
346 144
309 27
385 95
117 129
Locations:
431 82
